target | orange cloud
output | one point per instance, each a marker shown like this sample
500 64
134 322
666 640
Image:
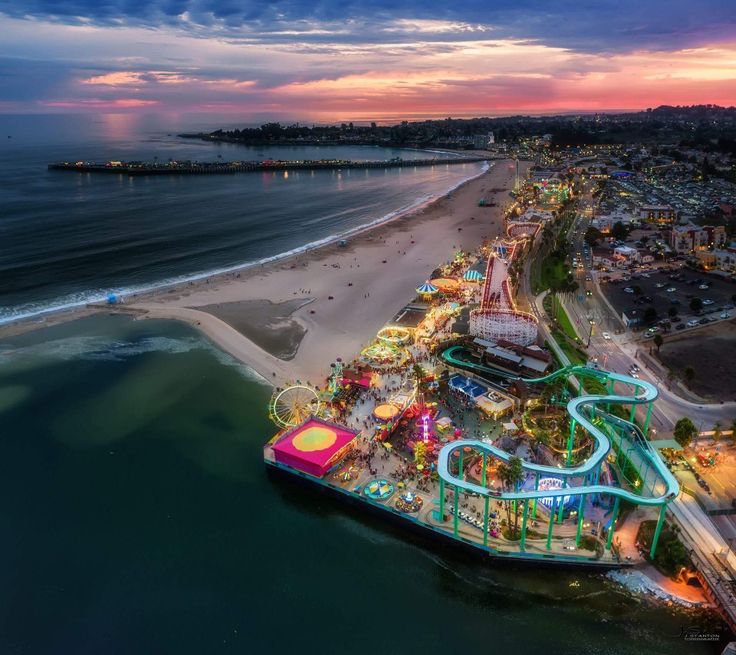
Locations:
120 78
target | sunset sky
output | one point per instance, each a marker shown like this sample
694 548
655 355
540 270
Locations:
351 60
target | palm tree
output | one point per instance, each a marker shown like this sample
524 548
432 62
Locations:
511 475
689 374
658 341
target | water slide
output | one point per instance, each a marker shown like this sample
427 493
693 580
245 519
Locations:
584 410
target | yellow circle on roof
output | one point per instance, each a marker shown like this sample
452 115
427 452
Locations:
314 438
386 411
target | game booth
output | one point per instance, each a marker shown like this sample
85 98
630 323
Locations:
314 446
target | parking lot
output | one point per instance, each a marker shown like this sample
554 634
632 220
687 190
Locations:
714 485
671 287
711 353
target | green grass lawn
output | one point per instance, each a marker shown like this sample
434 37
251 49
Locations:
554 309
552 271
575 356
563 319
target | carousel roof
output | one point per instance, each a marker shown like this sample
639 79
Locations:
427 287
473 276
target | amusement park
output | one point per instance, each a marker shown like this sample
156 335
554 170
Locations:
456 421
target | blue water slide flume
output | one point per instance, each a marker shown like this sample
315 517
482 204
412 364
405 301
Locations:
645 392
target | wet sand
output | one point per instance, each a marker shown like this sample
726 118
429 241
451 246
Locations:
268 325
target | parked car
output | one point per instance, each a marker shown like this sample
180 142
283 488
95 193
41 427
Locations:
693 322
725 315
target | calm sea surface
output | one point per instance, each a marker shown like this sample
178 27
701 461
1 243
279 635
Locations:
137 517
67 238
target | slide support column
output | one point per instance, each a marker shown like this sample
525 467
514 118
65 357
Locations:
457 510
581 507
648 418
614 516
551 523
522 546
570 442
657 531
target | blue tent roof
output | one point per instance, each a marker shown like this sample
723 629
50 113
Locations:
472 276
467 386
427 288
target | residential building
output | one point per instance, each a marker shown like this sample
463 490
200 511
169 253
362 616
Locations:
692 238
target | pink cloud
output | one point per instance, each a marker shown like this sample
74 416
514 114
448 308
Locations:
99 103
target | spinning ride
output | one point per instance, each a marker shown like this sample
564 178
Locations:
381 353
293 405
396 336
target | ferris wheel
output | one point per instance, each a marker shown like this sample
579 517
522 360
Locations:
292 405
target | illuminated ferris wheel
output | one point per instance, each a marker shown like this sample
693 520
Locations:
293 405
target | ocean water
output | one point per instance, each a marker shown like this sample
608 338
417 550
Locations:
69 238
137 517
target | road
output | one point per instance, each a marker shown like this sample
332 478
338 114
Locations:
622 350
617 351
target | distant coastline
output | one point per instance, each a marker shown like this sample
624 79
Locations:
379 142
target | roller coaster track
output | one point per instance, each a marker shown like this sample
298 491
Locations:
584 410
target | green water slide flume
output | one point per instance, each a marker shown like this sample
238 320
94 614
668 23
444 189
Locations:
584 410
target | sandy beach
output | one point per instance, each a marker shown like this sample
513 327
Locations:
290 319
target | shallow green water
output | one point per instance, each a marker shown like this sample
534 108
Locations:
137 517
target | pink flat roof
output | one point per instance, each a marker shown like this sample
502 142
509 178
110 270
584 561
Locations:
314 441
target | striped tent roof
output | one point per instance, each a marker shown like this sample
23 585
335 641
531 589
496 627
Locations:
473 276
427 287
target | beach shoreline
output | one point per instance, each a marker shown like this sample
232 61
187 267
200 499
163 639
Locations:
52 313
347 292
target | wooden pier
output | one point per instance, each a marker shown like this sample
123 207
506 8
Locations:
231 167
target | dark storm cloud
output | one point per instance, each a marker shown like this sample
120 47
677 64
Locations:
592 26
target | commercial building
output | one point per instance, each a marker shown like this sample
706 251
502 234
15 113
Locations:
660 214
530 361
